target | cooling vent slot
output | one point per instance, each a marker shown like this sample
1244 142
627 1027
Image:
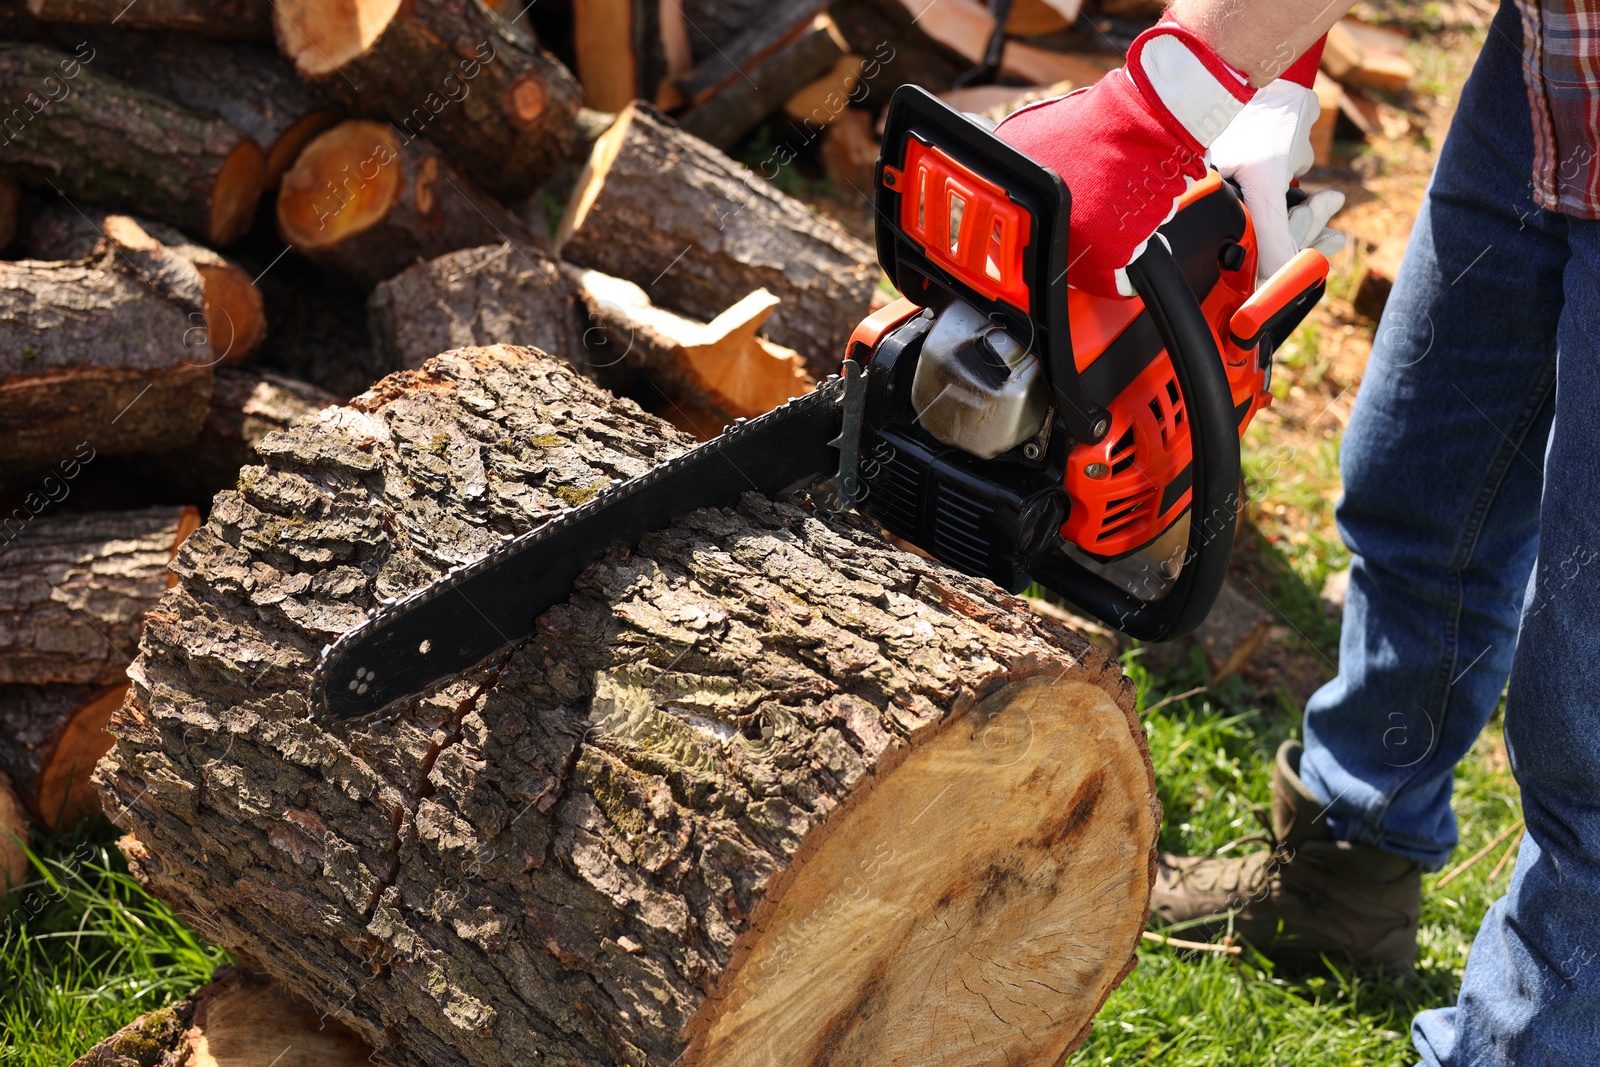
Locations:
957 531
896 490
1123 453
1124 512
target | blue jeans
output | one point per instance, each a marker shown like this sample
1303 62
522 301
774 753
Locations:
1483 390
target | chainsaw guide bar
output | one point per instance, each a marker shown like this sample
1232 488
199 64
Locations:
465 616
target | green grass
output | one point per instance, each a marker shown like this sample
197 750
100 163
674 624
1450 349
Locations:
1212 755
84 951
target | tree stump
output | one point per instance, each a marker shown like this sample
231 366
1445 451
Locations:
765 790
673 214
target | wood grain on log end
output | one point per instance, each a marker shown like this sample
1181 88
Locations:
361 201
239 1019
14 865
1022 824
565 853
501 108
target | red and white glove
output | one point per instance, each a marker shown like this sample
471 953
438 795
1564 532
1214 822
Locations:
1264 150
1129 145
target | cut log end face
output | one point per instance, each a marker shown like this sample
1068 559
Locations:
66 796
236 318
13 838
960 910
321 36
238 187
345 181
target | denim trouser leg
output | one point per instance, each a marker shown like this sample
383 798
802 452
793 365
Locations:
1531 995
1442 479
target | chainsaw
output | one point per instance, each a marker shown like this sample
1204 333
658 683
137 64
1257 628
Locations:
999 421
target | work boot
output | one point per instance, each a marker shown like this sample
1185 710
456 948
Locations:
1308 895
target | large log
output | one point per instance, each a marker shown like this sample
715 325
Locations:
94 139
74 591
670 213
97 358
234 317
364 202
239 20
249 86
449 70
728 804
496 294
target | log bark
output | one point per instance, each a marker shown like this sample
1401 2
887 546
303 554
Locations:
670 213
57 733
362 201
739 106
449 70
883 30
10 210
235 318
96 140
496 294
74 591
14 865
247 86
97 359
756 39
709 373
234 20
727 804
715 24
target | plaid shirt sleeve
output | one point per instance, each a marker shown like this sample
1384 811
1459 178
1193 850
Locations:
1561 70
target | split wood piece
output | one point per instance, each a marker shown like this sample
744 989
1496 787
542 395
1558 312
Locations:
242 1018
849 152
1373 118
622 51
10 210
735 53
235 318
249 86
721 368
965 26
884 30
364 203
14 865
669 212
97 140
738 107
236 20
997 101
726 804
1379 269
826 99
57 733
449 70
1368 56
677 54
74 591
1035 18
1232 634
97 358
1330 96
495 294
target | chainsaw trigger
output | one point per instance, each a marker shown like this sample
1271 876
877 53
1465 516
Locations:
1282 301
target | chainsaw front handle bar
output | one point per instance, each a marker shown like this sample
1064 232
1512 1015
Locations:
1214 435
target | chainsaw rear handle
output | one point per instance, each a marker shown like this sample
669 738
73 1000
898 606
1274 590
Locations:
1214 436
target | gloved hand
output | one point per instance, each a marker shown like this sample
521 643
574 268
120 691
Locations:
1264 150
1129 145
